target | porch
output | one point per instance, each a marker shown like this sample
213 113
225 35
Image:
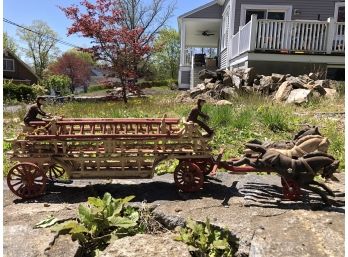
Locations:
285 39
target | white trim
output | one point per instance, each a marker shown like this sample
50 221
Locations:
225 28
337 5
13 64
282 8
202 19
267 57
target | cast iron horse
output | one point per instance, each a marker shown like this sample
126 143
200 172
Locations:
302 170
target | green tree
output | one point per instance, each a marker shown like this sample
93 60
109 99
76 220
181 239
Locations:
166 59
41 44
9 43
86 56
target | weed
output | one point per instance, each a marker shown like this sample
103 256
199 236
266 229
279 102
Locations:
206 241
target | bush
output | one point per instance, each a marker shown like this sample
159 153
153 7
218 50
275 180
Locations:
18 92
39 89
59 83
94 88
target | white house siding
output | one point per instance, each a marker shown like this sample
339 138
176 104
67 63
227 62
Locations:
309 9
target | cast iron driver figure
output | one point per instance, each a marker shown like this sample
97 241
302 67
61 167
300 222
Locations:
195 113
34 110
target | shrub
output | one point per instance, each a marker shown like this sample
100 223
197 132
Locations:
59 83
39 89
273 118
18 92
94 88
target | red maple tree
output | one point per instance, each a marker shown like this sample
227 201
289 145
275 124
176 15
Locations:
73 66
121 48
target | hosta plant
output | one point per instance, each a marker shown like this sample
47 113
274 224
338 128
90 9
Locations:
101 221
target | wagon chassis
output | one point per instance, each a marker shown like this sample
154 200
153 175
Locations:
115 148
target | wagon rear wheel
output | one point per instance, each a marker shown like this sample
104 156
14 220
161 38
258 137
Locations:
291 189
188 176
26 180
55 171
206 165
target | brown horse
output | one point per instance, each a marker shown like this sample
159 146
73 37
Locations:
302 170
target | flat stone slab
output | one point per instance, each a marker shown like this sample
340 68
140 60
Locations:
250 206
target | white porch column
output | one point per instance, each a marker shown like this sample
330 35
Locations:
330 34
182 43
253 31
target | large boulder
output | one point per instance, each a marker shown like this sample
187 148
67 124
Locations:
210 86
146 245
199 89
236 81
323 83
299 96
223 102
283 91
228 93
313 76
249 76
207 74
278 78
227 81
296 82
331 93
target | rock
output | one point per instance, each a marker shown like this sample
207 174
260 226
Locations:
227 81
318 88
331 93
236 81
220 73
228 93
249 76
207 74
283 91
313 76
299 96
256 81
210 85
63 244
296 82
206 81
197 90
265 84
218 85
146 245
323 83
223 102
278 78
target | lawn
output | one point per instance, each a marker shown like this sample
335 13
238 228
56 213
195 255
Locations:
250 117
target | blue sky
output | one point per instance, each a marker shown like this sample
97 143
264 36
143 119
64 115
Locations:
24 12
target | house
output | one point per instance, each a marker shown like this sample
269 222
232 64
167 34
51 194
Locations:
281 36
16 70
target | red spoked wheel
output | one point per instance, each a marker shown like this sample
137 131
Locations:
55 171
291 189
26 180
206 165
188 176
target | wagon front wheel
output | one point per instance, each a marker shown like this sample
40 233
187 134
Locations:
188 176
55 171
26 180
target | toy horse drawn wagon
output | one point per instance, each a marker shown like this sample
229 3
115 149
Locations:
132 147
106 148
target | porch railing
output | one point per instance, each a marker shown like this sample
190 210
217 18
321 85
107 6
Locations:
187 57
311 37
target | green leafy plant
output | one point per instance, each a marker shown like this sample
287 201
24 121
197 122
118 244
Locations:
59 83
101 221
206 241
274 118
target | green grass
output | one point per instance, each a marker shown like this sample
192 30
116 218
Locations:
250 117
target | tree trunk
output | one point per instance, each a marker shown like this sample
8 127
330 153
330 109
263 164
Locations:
124 91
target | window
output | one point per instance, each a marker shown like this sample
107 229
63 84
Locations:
339 11
8 65
272 12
